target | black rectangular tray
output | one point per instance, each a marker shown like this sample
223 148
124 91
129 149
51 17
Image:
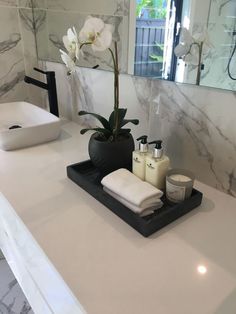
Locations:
89 178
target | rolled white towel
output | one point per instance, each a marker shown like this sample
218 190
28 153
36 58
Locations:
132 189
138 210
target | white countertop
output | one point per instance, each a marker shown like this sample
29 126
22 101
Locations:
109 267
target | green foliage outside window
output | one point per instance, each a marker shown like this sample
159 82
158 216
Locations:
157 54
156 8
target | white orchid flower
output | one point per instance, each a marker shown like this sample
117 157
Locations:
71 43
189 45
96 32
69 62
204 38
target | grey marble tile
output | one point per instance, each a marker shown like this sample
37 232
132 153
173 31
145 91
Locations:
12 299
28 25
111 7
11 3
32 4
198 131
126 7
143 90
11 57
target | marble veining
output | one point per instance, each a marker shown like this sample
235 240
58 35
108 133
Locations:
17 51
8 86
12 299
9 43
195 135
82 98
143 90
32 3
113 7
11 56
8 3
126 7
33 22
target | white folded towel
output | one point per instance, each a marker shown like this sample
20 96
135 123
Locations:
138 210
132 189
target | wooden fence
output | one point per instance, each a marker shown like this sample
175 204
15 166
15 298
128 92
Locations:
150 36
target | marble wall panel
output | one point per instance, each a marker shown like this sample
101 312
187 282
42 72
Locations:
111 7
198 128
27 23
11 57
18 54
32 4
11 3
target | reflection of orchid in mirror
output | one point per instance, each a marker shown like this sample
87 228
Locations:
192 49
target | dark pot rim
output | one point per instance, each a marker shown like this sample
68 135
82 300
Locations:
125 139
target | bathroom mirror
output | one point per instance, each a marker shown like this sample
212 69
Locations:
147 32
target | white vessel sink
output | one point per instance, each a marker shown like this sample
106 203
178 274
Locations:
30 125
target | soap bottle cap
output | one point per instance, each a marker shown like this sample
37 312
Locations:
143 145
158 150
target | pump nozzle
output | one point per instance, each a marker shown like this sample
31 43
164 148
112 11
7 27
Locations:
143 139
158 144
143 145
158 150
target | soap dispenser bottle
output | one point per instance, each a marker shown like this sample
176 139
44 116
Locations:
139 158
157 166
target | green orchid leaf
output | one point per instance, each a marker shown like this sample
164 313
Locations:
100 130
121 115
125 121
103 121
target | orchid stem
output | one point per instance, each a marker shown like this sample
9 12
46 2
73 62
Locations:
116 89
199 68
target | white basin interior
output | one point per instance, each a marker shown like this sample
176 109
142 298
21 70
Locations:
36 125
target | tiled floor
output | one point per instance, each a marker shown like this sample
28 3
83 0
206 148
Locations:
12 299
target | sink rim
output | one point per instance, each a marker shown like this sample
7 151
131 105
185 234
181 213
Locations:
38 126
53 119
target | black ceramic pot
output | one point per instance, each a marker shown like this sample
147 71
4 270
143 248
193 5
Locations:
110 156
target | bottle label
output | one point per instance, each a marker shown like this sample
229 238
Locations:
135 159
175 193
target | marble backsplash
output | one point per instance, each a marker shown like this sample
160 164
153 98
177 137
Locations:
17 52
197 124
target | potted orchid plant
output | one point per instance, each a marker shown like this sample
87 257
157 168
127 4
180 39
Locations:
111 146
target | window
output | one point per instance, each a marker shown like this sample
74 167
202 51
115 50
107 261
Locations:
156 26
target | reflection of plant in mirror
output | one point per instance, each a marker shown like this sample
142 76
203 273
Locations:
192 49
98 35
155 8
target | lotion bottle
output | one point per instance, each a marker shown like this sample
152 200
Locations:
139 158
157 166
